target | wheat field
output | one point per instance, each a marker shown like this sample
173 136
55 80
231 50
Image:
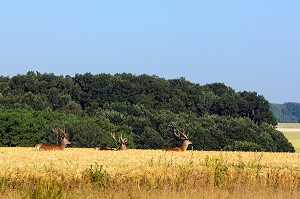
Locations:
86 173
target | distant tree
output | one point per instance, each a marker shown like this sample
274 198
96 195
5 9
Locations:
290 112
285 113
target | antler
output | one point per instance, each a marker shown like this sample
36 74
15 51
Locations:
120 140
123 139
63 132
181 134
113 135
55 130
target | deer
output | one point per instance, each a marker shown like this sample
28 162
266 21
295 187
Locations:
38 146
102 148
61 146
121 141
186 142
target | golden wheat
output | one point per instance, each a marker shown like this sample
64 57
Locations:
86 173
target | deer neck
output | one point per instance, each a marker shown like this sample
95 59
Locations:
63 143
185 145
122 147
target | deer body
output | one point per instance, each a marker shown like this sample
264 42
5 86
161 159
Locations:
183 147
101 148
186 142
55 147
61 146
121 141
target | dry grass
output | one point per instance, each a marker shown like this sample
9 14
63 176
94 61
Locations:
86 173
289 127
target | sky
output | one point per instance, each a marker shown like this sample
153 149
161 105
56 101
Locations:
247 45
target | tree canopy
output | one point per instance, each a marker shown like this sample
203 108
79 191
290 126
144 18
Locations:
144 108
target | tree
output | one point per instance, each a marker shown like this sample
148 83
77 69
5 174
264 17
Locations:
149 139
86 133
265 140
257 108
36 102
72 108
205 101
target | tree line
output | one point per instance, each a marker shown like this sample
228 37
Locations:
288 112
144 108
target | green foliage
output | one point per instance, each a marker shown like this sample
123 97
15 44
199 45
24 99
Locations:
265 140
281 143
243 146
25 127
20 127
98 175
85 132
143 108
149 139
257 108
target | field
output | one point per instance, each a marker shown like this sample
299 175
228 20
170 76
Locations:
292 133
289 125
85 173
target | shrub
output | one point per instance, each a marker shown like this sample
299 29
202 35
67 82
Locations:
243 146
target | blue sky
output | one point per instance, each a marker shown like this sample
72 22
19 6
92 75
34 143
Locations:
248 45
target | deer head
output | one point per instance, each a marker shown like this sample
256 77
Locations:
63 136
121 141
183 136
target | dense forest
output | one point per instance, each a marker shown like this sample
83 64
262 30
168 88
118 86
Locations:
286 113
143 108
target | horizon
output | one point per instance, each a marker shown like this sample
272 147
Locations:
249 46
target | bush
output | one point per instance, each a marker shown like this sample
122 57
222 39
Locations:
98 175
243 146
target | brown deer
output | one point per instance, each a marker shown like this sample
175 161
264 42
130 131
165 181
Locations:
121 141
61 146
102 148
38 146
186 142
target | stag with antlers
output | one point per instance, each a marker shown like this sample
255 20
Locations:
186 142
62 144
121 141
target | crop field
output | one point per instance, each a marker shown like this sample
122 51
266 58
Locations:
292 133
86 173
289 125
